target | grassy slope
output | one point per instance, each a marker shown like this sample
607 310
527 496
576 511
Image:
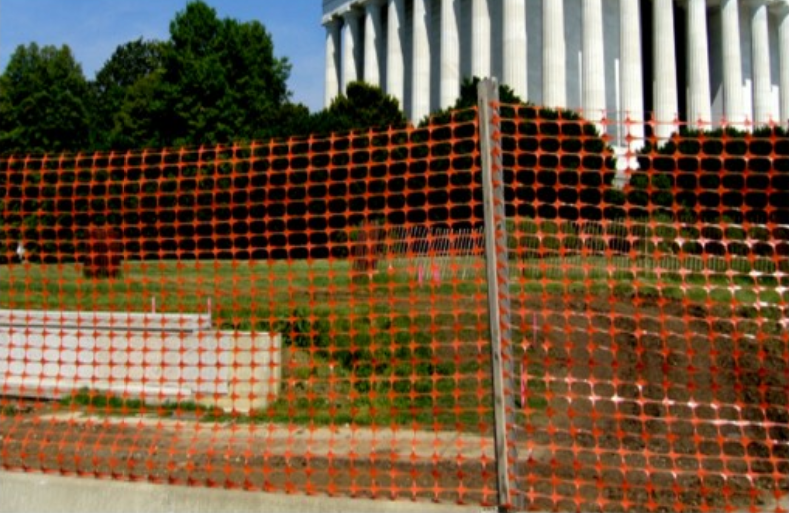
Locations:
385 350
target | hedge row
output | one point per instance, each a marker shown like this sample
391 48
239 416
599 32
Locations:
303 197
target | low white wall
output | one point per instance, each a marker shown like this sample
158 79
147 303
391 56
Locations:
122 320
52 358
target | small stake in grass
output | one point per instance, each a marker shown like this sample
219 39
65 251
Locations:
366 249
523 380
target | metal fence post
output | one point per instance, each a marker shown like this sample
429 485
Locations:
497 263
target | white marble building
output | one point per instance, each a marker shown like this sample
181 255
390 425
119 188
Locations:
698 61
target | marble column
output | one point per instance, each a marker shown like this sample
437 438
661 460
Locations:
350 50
480 39
554 83
450 53
332 82
665 72
632 73
762 87
515 72
699 96
733 107
593 61
395 58
783 57
373 34
420 78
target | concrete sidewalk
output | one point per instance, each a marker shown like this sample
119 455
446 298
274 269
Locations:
41 493
387 463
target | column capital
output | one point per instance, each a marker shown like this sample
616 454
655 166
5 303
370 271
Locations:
354 7
759 3
350 14
779 7
331 21
372 4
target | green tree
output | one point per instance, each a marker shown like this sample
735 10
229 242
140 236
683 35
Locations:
468 95
222 81
131 75
555 163
44 101
140 121
291 119
362 106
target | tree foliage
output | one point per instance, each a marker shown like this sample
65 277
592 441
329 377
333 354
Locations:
468 97
213 81
130 77
222 81
362 106
140 119
44 103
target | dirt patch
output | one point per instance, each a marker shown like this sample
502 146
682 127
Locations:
653 404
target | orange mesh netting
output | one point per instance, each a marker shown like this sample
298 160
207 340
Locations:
311 316
650 315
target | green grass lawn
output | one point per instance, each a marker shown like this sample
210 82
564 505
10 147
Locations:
244 291
259 288
387 349
382 350
702 280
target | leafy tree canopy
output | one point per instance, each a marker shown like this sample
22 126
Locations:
468 94
362 106
44 102
214 81
133 66
222 81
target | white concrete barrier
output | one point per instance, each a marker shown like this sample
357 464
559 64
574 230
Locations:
156 357
126 321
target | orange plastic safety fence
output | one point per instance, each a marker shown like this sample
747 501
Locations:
302 316
650 315
310 316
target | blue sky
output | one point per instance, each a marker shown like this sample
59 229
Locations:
94 28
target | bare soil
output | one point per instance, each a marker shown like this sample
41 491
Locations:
655 405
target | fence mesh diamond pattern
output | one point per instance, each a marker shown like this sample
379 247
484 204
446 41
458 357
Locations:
311 316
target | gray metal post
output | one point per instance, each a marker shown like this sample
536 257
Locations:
497 263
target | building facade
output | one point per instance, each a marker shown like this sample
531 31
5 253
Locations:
704 62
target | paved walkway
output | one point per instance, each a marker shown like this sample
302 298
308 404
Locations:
39 493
